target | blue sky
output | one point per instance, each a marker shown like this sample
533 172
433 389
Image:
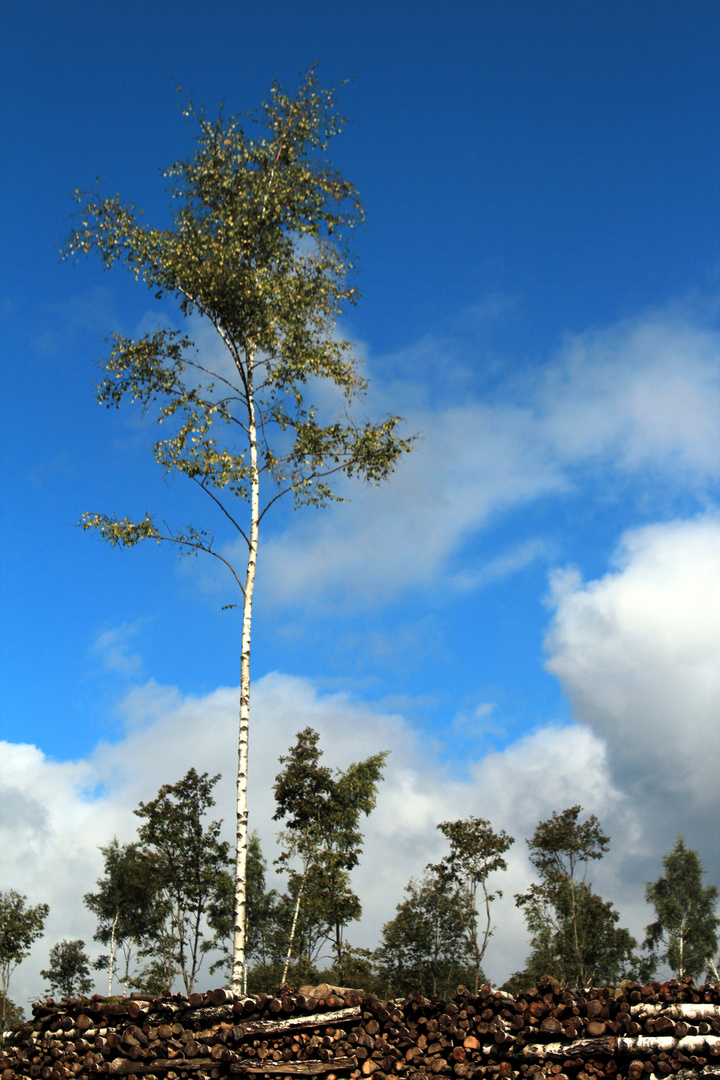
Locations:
525 614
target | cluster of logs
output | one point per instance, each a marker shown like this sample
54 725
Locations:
632 1032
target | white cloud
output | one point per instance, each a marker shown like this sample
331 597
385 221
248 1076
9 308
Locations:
53 816
638 400
644 393
63 811
637 654
113 647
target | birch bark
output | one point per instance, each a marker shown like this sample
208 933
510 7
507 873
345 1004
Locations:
238 979
112 951
294 927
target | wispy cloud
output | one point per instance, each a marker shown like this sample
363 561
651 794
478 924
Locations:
114 648
636 402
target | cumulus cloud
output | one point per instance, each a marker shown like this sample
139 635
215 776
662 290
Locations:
55 815
637 654
63 811
638 400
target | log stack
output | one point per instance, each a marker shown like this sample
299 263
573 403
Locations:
633 1032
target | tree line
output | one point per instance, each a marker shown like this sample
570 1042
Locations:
166 901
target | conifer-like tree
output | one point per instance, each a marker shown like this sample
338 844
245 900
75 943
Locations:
259 247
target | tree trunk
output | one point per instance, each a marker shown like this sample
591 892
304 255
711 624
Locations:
294 924
338 951
112 951
238 966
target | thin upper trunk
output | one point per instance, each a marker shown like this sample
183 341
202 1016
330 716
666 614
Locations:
338 951
486 935
238 967
112 951
580 966
294 925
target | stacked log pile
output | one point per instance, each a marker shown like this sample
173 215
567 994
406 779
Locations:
633 1032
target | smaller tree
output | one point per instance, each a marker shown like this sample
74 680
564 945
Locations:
127 904
189 861
574 937
476 851
322 814
685 932
606 949
69 971
12 1014
20 926
427 947
161 966
302 927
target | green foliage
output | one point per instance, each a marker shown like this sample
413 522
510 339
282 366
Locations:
685 932
428 947
561 844
12 1015
576 939
259 246
322 814
517 982
20 926
69 971
476 851
573 932
128 904
189 859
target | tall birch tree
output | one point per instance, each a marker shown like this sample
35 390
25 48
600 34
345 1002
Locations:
259 247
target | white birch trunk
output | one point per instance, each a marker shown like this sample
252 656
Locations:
238 966
686 1010
292 928
112 952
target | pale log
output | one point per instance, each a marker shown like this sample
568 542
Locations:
296 1068
279 1027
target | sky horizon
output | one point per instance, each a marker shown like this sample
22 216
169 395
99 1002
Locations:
527 614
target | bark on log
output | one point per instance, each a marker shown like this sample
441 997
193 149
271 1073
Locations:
649 1044
124 1066
297 1023
323 990
296 1068
640 1034
684 1011
603 1047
